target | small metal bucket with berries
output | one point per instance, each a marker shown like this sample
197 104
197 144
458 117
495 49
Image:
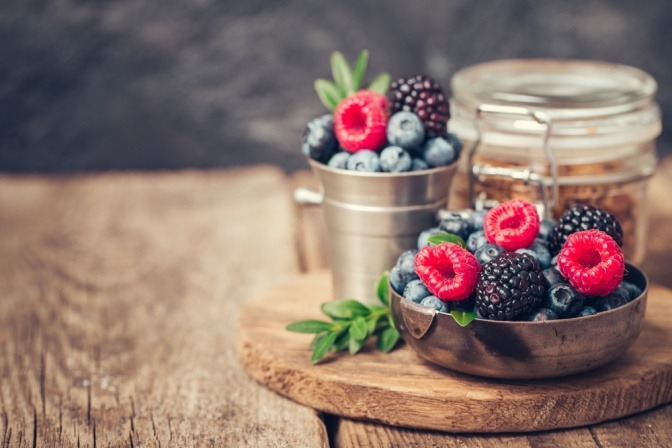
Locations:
385 163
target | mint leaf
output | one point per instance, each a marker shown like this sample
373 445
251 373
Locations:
355 345
382 289
371 325
380 83
316 339
463 318
358 329
309 326
360 69
328 93
388 339
323 345
342 342
444 237
341 72
344 309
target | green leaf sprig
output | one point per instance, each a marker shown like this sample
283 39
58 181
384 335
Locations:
348 80
352 324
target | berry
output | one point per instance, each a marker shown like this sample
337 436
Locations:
564 300
447 270
540 252
610 302
543 315
476 240
419 164
438 152
435 302
397 281
367 161
545 228
592 262
339 160
587 311
394 159
406 130
633 290
423 239
415 291
454 141
512 225
488 252
584 217
425 97
360 121
462 305
406 266
476 219
553 276
510 287
456 224
318 140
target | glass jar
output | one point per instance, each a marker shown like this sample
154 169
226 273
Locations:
558 132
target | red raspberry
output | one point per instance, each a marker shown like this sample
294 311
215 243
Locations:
512 225
448 271
592 262
360 121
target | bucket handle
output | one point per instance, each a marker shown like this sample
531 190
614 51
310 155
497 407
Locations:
306 196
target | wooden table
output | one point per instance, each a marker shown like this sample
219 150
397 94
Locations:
118 298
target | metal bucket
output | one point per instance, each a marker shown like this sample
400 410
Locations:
372 218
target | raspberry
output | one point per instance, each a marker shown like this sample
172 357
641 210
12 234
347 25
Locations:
360 121
448 271
592 262
512 225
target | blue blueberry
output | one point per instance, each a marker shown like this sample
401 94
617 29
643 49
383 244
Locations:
554 261
406 266
476 219
540 252
423 239
405 129
339 160
545 228
417 164
457 225
612 301
394 159
318 140
397 281
438 152
587 311
553 276
364 160
476 240
564 300
543 315
415 291
454 141
634 291
488 252
436 303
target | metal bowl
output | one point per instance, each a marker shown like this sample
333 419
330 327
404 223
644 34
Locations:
522 350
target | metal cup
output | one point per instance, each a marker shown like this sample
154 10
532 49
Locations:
372 218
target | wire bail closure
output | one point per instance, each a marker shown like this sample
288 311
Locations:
526 175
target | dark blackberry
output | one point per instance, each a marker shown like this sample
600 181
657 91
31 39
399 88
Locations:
510 287
583 217
425 97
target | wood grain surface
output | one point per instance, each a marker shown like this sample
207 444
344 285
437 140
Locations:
118 295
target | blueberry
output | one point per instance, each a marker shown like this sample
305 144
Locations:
417 164
415 291
540 252
564 300
633 290
545 228
488 252
339 160
476 219
468 304
457 225
554 261
553 276
435 302
543 315
394 159
454 141
587 311
425 234
397 281
405 129
476 240
364 160
406 267
612 301
541 241
438 152
318 140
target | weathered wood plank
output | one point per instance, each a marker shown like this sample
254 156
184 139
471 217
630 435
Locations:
118 299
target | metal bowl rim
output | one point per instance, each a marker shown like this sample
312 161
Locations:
380 175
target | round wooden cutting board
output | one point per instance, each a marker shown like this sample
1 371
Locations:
400 388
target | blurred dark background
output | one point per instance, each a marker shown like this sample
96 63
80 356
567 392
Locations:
140 84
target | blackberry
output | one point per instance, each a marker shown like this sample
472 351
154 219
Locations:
425 97
510 287
583 217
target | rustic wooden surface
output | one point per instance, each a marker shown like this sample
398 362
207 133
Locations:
118 300
401 389
118 296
